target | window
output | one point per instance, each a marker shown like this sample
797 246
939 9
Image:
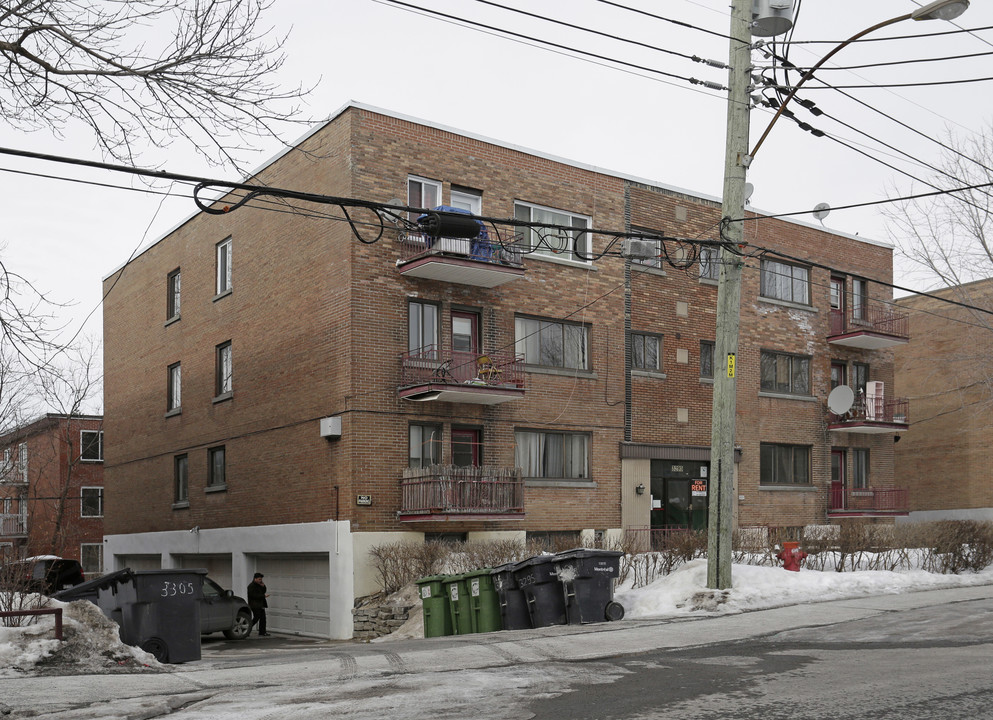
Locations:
839 373
646 351
569 244
215 468
784 464
91 445
655 260
222 371
91 502
552 344
8 465
860 298
553 455
860 468
224 266
173 297
784 373
91 558
837 293
181 480
175 387
422 193
783 281
425 446
22 461
710 264
706 359
860 376
422 330
469 200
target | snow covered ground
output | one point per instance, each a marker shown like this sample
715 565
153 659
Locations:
93 646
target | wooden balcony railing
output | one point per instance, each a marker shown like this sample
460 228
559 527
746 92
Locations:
13 525
455 490
889 501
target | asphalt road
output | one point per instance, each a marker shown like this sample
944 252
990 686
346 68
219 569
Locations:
919 655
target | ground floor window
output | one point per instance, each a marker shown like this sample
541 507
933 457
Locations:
860 468
784 464
91 558
553 455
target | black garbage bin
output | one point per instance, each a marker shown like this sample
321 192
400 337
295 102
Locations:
513 607
587 577
538 581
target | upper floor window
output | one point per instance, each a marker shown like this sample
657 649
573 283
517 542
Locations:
860 298
423 193
423 335
181 480
785 373
710 265
784 464
173 287
175 389
224 266
223 383
425 445
860 376
783 281
216 468
91 445
706 359
91 502
468 200
552 343
553 455
568 242
646 351
655 260
22 462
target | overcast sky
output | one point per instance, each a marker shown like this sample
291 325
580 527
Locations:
65 237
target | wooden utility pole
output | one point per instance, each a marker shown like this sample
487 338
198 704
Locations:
721 508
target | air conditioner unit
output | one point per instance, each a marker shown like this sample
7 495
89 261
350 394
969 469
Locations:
331 427
874 400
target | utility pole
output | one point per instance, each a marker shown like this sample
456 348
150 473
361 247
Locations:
721 506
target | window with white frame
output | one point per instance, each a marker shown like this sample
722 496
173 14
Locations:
710 265
7 466
224 266
469 200
655 260
423 338
422 193
91 445
569 241
785 373
22 462
551 343
91 502
173 289
223 382
91 558
175 388
784 464
425 445
784 281
553 455
646 351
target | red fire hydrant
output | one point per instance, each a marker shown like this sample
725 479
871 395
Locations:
791 556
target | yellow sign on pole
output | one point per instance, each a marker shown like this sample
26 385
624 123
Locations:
730 365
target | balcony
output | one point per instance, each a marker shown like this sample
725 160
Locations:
427 375
871 326
872 415
449 493
13 525
479 262
868 502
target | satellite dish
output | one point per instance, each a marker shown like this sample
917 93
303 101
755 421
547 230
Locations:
749 189
821 211
841 399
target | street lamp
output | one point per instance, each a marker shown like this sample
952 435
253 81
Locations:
736 160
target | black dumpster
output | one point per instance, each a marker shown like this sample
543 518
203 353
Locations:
587 577
538 581
157 610
513 607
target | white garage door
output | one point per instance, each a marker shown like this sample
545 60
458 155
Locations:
140 562
218 569
299 589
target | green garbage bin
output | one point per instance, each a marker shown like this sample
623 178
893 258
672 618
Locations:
457 590
484 600
434 604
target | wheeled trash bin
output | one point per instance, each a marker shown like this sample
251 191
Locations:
484 603
538 580
587 578
458 604
513 607
434 604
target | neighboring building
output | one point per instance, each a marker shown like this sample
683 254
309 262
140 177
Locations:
947 369
51 489
281 397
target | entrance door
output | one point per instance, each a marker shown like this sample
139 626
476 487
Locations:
679 494
466 449
838 479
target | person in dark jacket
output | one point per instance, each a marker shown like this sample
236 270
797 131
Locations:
257 602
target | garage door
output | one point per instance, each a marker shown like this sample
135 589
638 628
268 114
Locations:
140 562
299 593
218 569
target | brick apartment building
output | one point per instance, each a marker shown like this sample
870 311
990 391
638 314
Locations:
51 490
281 397
945 460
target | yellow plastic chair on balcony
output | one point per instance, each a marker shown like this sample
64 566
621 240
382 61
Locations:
486 370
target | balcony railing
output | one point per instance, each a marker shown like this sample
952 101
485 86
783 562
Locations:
439 492
480 378
482 262
871 326
873 415
869 501
13 525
